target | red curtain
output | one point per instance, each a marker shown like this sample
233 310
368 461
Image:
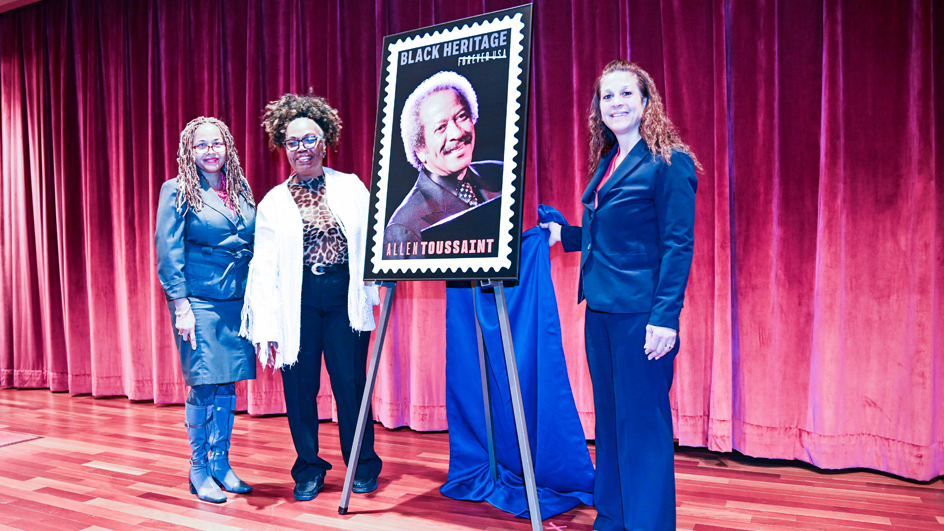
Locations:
814 323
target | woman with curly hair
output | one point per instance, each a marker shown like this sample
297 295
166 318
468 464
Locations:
203 239
636 244
306 293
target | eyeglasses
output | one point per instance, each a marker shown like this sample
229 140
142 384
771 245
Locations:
203 147
308 142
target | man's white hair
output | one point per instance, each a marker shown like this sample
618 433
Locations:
411 130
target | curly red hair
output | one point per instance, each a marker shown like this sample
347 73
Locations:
655 127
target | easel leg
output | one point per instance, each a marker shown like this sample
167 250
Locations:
368 393
489 430
530 486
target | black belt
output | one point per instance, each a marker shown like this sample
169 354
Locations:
320 269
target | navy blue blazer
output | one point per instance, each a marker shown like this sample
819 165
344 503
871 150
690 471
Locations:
205 254
636 244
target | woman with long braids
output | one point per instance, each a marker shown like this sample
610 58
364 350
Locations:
206 219
306 293
636 243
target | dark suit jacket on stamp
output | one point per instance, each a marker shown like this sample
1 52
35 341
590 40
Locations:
429 203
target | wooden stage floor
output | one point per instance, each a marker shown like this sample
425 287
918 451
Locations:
114 464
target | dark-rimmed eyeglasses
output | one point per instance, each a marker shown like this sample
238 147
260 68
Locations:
306 143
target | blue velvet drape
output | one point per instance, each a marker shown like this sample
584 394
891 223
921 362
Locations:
562 466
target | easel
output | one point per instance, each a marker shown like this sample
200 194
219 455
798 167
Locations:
524 447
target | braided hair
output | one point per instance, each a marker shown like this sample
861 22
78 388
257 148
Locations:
188 175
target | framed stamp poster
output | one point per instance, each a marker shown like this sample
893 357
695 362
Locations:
449 150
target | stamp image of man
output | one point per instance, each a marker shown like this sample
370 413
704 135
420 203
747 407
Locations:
438 130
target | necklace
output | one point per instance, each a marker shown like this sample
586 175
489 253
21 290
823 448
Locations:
225 198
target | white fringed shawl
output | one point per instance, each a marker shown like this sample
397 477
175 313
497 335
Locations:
272 308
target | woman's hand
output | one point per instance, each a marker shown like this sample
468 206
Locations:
659 341
186 323
555 229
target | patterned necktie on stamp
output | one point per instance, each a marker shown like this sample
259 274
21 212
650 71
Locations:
467 194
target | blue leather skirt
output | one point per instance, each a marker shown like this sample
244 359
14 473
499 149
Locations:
221 355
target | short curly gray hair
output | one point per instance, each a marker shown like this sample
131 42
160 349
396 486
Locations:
410 128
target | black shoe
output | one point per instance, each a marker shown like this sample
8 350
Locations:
364 485
309 489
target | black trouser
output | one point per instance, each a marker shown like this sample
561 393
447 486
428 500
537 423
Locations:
325 327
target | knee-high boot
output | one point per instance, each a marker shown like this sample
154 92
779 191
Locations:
221 429
201 483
